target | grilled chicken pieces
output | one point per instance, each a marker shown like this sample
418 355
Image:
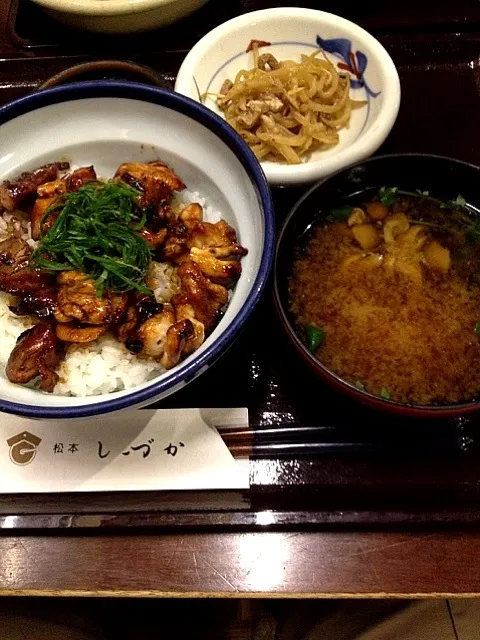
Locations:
213 247
49 192
78 307
77 300
167 335
41 303
69 310
78 333
79 177
15 193
205 298
155 181
16 276
37 353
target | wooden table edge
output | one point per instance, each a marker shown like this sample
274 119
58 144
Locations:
244 565
73 593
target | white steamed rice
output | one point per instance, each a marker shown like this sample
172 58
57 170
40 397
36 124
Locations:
101 367
105 365
184 198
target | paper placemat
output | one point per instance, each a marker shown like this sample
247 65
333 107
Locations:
129 451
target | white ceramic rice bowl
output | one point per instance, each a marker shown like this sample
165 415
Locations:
104 124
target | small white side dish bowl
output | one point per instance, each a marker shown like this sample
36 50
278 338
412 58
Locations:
105 124
119 16
292 31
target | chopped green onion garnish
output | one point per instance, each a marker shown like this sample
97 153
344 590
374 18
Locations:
359 385
315 337
452 204
95 232
384 394
477 328
340 214
388 195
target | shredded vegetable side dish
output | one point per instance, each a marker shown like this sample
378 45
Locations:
285 109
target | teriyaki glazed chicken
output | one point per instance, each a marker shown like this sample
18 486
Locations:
105 284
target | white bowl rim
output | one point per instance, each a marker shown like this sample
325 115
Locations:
102 7
365 145
190 108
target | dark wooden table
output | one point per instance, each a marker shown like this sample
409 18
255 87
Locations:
344 501
285 564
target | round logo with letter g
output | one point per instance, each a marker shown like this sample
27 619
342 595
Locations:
23 447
